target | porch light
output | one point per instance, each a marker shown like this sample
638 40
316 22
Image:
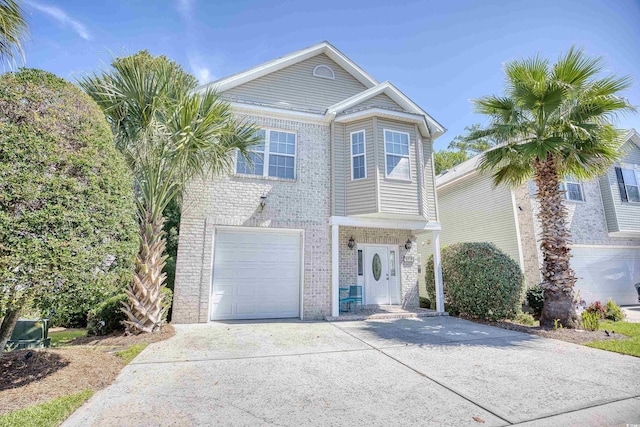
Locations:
263 203
408 245
352 243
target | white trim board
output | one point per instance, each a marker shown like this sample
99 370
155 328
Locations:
396 224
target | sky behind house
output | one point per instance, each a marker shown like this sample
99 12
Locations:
439 53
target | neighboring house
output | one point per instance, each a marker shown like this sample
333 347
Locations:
603 215
334 196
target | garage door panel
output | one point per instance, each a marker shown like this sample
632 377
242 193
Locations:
256 274
605 273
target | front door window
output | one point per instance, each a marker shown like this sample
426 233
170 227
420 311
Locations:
376 267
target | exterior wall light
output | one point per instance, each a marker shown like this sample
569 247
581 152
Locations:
408 245
352 243
263 203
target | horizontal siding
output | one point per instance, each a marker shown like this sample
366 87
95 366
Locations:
473 211
295 86
381 100
627 214
398 197
340 169
428 190
361 193
607 199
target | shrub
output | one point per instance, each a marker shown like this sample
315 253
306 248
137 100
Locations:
479 280
425 303
613 311
68 231
590 320
535 299
597 308
166 303
107 316
525 319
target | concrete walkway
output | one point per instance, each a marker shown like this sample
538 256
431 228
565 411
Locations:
424 371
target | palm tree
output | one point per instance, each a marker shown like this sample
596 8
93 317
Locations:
13 30
169 135
554 121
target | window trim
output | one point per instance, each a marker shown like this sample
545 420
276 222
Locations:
363 154
565 188
637 175
323 66
266 156
408 156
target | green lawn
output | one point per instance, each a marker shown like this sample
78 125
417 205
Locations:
51 413
63 337
630 346
129 354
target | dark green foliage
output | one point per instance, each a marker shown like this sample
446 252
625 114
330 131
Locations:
425 303
613 311
107 316
167 299
172 229
479 280
68 230
446 160
535 300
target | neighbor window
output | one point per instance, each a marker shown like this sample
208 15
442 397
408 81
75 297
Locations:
573 189
396 149
277 151
629 184
358 156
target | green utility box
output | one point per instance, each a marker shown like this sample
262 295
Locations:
30 334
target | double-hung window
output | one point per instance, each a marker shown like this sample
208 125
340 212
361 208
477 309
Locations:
358 155
274 155
629 184
573 189
396 150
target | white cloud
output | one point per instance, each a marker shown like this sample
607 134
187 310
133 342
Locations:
62 17
202 73
185 7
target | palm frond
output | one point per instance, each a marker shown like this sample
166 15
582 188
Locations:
13 31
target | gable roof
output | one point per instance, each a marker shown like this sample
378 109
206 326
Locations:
396 95
325 47
469 167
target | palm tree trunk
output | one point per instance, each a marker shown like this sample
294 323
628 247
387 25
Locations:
557 276
144 310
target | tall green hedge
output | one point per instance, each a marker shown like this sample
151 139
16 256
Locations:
479 280
68 230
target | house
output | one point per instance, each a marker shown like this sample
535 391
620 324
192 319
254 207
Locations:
603 216
334 196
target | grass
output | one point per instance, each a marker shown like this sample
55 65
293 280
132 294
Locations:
129 354
51 413
63 337
630 346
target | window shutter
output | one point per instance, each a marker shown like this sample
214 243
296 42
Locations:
621 187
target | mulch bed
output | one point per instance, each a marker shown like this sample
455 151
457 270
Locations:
32 376
575 336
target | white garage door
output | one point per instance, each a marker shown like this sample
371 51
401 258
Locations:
256 274
605 273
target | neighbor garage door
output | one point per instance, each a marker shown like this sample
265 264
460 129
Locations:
605 273
256 274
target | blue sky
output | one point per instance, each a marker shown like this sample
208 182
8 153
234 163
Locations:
439 53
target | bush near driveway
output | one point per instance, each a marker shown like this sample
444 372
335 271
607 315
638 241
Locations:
67 211
479 280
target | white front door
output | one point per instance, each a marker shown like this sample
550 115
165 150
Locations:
380 278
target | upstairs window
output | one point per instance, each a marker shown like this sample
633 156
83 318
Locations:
629 184
573 189
396 149
277 151
358 155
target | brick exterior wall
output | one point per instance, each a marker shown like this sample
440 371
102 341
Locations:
408 259
233 201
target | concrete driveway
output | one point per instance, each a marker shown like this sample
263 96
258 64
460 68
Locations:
428 371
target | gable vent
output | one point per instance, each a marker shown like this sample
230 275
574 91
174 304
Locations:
324 71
